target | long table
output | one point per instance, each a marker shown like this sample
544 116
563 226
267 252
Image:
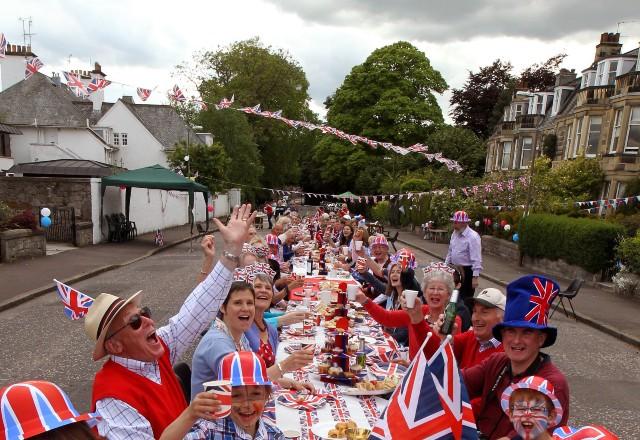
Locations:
364 410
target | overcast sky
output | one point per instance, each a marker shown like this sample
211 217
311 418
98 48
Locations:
140 42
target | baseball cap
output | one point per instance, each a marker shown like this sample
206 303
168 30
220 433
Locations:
491 297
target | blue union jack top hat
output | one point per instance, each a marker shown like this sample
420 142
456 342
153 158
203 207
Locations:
243 368
529 299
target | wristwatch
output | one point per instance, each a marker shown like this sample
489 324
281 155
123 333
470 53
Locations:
231 257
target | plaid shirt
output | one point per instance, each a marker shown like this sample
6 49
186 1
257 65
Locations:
225 429
120 420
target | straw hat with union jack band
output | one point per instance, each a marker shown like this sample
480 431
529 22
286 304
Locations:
243 368
101 314
534 383
28 409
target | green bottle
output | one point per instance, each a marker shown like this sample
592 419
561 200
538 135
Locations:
450 314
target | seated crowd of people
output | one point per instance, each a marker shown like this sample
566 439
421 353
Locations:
239 305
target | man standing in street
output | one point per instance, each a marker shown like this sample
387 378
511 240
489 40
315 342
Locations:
465 250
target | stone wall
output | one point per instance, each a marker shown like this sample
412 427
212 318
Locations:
84 233
500 248
559 268
34 192
21 243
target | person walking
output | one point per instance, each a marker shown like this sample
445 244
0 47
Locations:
465 250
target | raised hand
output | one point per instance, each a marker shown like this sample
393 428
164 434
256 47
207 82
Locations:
203 406
235 232
208 245
415 312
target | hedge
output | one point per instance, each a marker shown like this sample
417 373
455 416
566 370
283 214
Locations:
629 253
583 242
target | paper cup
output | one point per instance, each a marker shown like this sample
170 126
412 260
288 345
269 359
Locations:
325 297
307 292
358 245
352 290
410 297
345 250
221 389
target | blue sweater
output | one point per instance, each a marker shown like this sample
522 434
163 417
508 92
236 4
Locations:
253 335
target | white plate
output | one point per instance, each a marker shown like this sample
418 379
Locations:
322 430
353 391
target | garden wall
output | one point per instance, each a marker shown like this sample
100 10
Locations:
21 243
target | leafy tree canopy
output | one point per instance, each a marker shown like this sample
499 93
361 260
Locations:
461 144
207 163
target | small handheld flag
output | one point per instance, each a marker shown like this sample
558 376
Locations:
76 303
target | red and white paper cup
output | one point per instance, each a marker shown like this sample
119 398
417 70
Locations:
221 389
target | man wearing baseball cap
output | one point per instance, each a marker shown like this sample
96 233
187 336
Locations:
136 391
465 250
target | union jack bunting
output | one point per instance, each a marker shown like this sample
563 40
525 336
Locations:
201 105
589 432
33 65
3 45
176 94
225 103
418 148
540 301
76 303
97 84
143 94
430 403
74 83
252 110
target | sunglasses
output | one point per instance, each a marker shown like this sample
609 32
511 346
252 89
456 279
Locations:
135 322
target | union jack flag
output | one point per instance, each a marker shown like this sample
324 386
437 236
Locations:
431 403
97 84
251 110
74 84
3 45
201 105
33 65
225 103
585 433
418 148
541 301
143 94
76 303
176 94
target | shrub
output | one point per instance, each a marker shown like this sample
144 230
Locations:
583 242
631 223
380 211
24 220
5 212
628 251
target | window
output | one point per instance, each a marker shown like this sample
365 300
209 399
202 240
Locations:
525 157
496 158
613 67
605 189
116 138
5 145
506 155
518 110
633 133
568 144
576 145
595 122
539 108
123 139
620 187
615 134
599 74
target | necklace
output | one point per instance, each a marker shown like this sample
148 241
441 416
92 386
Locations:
261 328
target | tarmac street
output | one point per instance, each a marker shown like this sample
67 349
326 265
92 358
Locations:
38 342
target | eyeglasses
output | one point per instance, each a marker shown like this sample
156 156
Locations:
135 321
533 410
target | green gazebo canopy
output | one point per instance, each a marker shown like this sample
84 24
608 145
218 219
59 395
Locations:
156 177
346 194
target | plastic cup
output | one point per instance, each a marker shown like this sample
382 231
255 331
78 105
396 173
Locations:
358 245
221 390
345 250
307 326
352 291
410 297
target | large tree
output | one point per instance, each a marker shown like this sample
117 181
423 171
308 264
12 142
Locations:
473 103
461 144
390 98
207 164
258 74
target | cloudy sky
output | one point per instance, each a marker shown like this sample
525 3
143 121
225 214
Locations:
140 42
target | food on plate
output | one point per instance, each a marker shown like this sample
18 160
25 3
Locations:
340 429
335 371
356 369
323 368
388 383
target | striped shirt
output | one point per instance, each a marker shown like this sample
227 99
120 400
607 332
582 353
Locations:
120 420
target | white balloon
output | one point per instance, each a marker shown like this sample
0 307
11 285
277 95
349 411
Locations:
477 223
186 158
507 228
45 212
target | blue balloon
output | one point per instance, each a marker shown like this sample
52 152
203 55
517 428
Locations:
515 237
45 222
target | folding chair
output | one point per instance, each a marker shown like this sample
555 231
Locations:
568 294
392 241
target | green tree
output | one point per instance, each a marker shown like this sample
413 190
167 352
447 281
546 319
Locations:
207 163
258 74
461 144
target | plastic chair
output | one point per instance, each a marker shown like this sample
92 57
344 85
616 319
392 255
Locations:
568 294
183 373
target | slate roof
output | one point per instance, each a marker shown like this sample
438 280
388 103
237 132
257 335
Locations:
66 167
9 129
164 123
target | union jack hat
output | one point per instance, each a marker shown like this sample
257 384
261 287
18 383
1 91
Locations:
272 240
439 266
534 383
30 408
243 368
405 258
379 240
248 273
529 299
460 217
588 432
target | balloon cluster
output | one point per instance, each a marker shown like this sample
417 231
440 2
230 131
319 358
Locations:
45 220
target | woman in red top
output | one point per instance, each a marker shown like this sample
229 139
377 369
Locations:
437 286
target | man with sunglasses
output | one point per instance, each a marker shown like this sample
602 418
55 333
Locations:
136 392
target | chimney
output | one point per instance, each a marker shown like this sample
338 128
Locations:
565 77
96 97
55 78
127 98
609 45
